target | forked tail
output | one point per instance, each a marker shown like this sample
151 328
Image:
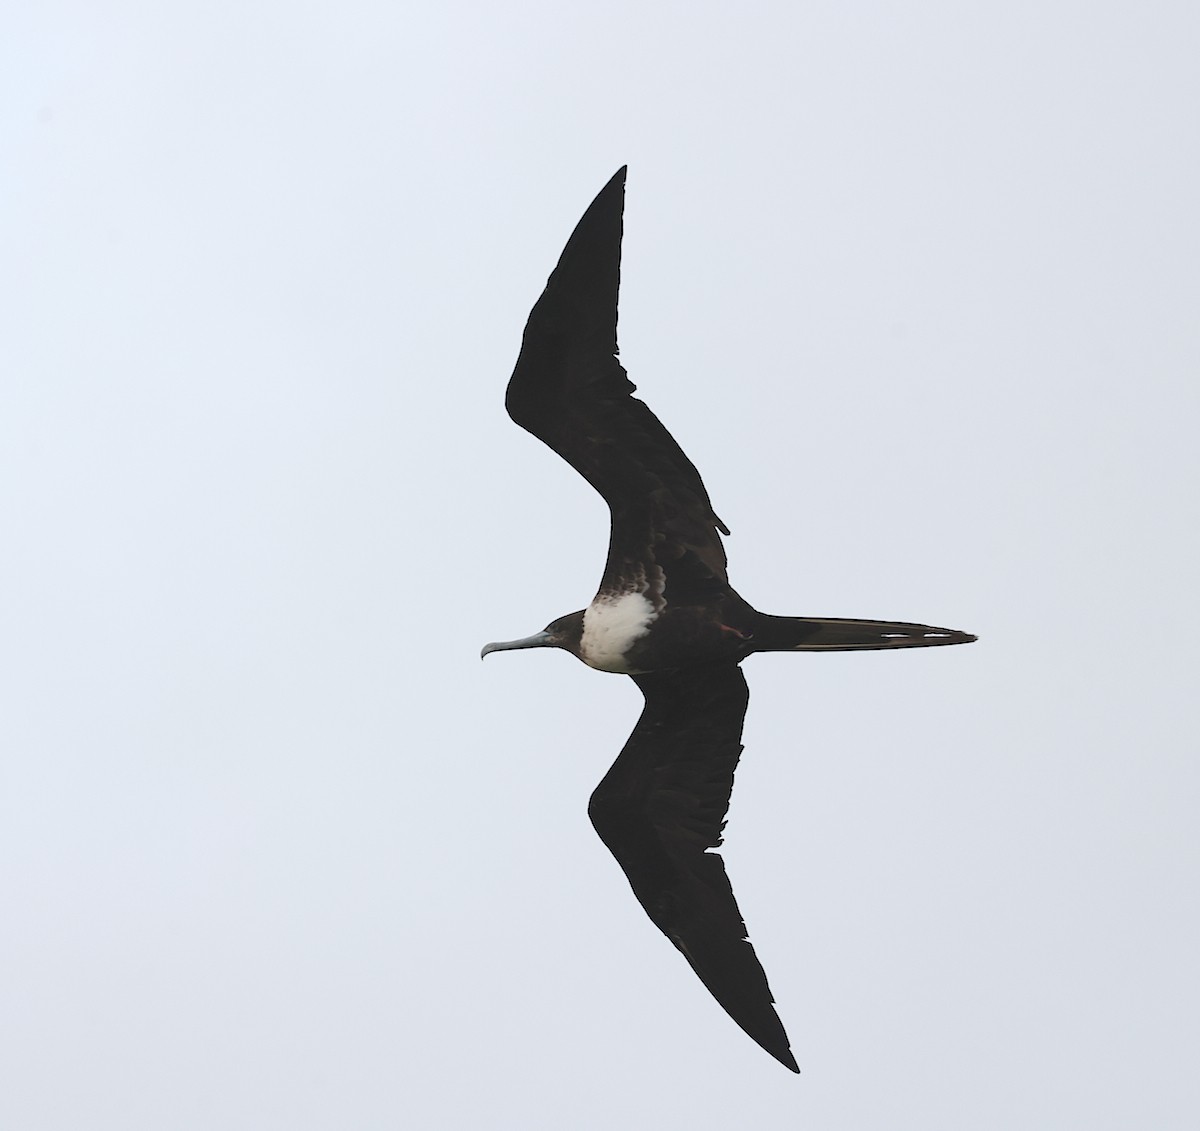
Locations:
839 634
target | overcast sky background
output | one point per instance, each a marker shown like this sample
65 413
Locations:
915 286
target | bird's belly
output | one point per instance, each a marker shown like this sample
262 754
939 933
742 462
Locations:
611 626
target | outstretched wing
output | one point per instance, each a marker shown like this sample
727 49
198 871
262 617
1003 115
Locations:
570 391
662 806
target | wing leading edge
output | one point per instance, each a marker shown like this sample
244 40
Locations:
661 807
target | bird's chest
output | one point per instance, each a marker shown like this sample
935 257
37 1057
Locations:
612 626
630 636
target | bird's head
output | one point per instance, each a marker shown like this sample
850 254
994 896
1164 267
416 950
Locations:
563 633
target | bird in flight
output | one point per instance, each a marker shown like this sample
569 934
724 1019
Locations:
666 616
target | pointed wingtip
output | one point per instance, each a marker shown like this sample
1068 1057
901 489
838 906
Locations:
776 1044
614 184
780 1050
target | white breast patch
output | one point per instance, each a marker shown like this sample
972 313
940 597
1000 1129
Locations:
610 626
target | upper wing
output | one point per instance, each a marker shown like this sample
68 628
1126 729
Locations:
659 809
570 391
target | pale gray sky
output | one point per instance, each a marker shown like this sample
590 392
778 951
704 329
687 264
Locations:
916 287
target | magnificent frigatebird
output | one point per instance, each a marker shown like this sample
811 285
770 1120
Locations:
666 616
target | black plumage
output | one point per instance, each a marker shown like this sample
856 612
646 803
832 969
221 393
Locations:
666 615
